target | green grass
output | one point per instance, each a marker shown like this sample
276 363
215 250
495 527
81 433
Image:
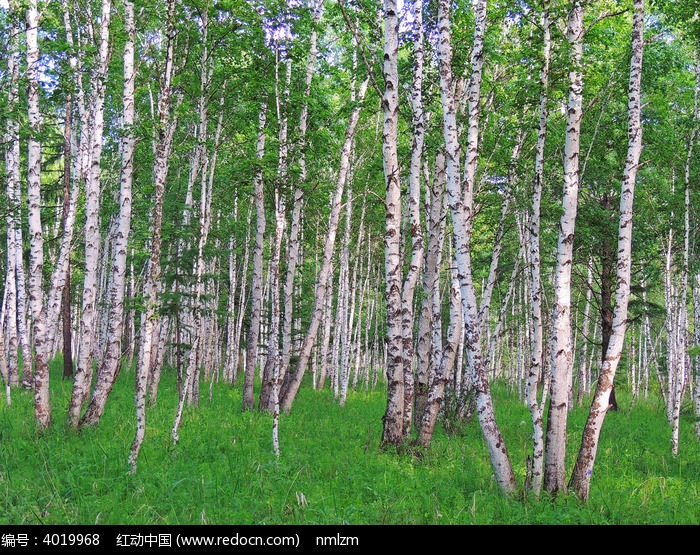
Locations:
331 470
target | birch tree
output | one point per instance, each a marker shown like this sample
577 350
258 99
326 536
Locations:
166 127
536 336
84 371
460 203
392 432
291 387
42 405
14 319
562 348
580 479
415 225
256 280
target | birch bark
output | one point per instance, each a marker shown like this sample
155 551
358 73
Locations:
534 375
580 479
291 386
84 370
392 432
166 128
256 280
562 348
460 202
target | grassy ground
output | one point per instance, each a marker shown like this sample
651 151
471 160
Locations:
331 471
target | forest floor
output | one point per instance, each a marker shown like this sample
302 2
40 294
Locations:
330 471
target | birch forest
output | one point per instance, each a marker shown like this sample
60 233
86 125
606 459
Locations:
421 197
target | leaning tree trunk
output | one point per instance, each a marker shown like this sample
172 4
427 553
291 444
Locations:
105 380
581 477
562 350
461 206
291 386
112 358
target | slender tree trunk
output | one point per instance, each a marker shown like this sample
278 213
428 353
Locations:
580 479
436 395
256 283
562 348
42 406
84 371
112 359
166 128
13 310
192 377
584 371
392 433
242 299
534 375
430 318
295 227
291 387
696 302
416 227
461 207
272 365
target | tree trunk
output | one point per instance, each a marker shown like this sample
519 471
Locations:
291 386
272 365
430 322
13 309
392 433
166 128
84 370
295 226
42 406
256 297
580 479
562 350
461 206
436 395
415 225
534 470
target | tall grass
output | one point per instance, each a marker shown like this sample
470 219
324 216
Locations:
331 470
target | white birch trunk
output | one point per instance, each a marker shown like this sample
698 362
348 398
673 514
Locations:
162 148
291 387
42 406
460 203
436 395
13 309
580 480
415 225
294 242
236 355
562 347
84 370
256 282
696 317
430 322
534 472
272 365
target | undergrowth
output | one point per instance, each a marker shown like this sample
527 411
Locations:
331 469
